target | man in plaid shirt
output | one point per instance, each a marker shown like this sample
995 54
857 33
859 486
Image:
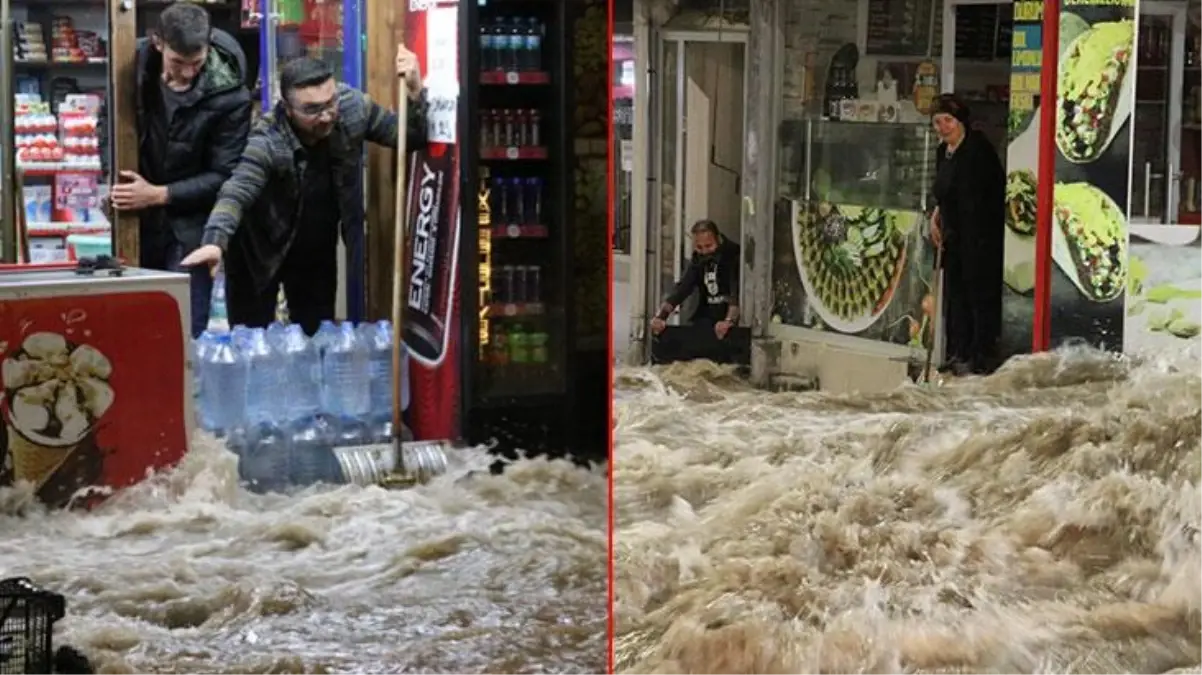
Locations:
297 185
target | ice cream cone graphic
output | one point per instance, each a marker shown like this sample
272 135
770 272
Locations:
32 462
55 393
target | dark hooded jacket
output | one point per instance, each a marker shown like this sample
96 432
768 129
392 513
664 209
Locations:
195 151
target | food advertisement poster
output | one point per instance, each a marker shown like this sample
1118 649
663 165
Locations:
851 259
1095 100
93 392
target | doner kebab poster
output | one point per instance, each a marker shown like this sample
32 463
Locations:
1094 104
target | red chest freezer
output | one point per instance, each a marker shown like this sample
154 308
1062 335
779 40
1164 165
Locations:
96 388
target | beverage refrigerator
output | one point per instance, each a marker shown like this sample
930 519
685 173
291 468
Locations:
490 311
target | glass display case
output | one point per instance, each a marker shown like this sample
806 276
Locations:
55 78
879 164
851 256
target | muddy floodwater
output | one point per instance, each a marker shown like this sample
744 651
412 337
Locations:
1042 520
190 573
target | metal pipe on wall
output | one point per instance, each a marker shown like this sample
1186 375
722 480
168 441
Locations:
1046 181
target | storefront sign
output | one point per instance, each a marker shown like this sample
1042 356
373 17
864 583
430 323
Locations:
1090 270
434 230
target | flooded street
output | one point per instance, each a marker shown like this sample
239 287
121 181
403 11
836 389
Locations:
190 573
1042 520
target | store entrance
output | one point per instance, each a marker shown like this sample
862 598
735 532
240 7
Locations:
701 110
976 62
1164 160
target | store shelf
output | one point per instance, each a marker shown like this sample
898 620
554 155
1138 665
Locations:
53 169
46 65
514 153
511 309
501 77
66 229
519 232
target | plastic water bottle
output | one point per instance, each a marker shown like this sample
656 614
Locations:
267 387
378 338
344 374
303 396
201 347
275 335
218 319
226 374
312 459
265 463
324 335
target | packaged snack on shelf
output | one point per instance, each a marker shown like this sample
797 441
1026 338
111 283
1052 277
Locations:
36 139
38 199
30 44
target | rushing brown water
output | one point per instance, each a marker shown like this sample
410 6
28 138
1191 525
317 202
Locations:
190 573
1044 519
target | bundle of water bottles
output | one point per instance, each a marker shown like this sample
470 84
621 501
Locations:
284 401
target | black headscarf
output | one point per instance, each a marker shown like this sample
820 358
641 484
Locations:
949 104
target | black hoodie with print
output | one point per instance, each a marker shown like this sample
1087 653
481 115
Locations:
716 278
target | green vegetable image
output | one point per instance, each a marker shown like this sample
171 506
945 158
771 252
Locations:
1184 328
1137 273
852 257
1092 71
1072 26
1165 293
1020 202
1095 230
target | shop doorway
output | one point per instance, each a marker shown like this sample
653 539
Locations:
1158 163
700 111
976 62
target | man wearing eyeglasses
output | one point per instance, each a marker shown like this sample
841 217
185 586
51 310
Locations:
296 188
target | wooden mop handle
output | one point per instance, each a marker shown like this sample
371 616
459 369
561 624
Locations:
399 268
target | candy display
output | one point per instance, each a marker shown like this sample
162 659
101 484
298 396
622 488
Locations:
67 139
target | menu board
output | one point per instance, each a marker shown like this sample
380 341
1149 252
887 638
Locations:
983 32
904 27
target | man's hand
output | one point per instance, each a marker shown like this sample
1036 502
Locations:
136 193
658 325
408 68
936 228
722 328
205 255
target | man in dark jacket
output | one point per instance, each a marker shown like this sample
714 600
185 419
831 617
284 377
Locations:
278 219
714 274
193 116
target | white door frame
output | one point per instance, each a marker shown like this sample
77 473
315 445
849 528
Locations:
1176 12
947 59
679 243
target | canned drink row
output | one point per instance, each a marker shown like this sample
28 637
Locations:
515 200
510 128
517 284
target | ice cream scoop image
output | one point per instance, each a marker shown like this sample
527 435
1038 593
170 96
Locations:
55 393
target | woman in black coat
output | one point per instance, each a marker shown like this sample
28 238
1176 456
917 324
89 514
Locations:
969 223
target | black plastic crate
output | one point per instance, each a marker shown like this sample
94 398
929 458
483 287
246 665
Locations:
27 616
